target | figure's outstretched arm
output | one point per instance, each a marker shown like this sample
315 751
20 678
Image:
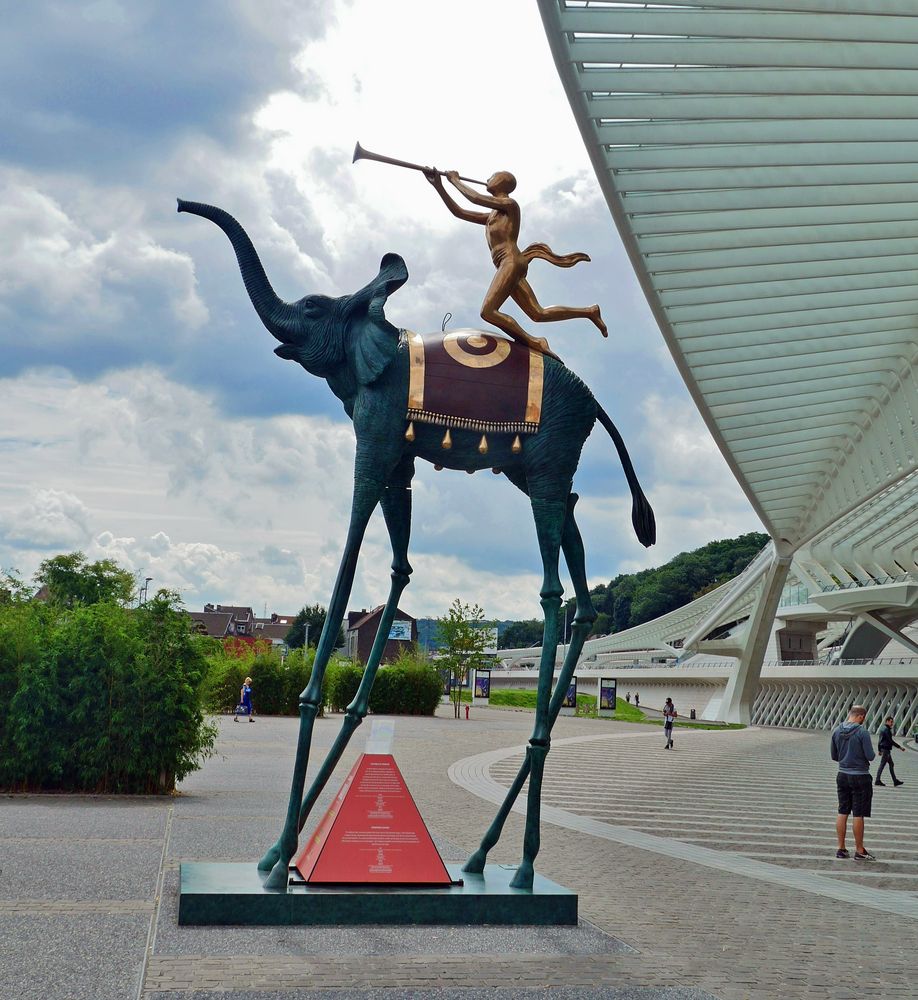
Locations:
476 197
465 214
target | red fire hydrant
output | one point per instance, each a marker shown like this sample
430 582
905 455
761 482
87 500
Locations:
466 711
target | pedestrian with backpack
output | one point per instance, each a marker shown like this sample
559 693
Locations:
669 717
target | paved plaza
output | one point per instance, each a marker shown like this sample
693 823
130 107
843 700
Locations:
706 872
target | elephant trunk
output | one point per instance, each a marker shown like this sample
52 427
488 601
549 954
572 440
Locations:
278 316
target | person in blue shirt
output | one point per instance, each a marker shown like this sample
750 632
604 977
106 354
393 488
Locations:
852 748
245 699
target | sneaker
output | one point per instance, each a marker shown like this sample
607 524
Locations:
880 784
842 854
866 856
897 783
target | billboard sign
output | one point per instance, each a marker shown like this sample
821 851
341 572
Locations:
400 630
482 685
569 705
607 695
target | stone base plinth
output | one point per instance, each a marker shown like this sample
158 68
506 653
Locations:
234 894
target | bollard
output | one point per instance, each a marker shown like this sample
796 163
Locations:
466 711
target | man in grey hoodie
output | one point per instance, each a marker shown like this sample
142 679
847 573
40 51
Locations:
852 748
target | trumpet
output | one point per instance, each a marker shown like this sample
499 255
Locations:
365 154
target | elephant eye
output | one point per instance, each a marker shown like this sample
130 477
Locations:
313 307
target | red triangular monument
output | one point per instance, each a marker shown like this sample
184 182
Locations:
372 833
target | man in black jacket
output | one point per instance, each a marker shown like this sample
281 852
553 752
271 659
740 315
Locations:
885 747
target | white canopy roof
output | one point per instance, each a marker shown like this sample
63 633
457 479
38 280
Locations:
762 169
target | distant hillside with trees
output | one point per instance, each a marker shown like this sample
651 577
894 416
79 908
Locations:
633 598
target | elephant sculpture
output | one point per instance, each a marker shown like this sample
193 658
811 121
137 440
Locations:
367 363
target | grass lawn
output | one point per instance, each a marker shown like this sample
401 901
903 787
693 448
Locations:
586 707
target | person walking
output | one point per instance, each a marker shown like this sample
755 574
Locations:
885 746
245 699
628 697
852 748
669 717
637 700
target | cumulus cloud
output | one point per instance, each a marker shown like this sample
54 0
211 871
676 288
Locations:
95 91
136 379
82 293
52 519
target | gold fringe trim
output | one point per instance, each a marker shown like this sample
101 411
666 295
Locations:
466 424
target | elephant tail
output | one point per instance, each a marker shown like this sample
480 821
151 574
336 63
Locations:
645 525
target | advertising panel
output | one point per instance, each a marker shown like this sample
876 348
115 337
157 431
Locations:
482 685
607 695
400 630
569 705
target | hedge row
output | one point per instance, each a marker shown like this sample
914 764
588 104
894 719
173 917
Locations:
409 686
100 698
276 682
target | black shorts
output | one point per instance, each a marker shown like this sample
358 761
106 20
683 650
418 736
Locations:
855 793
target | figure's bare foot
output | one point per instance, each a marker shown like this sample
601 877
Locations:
597 319
539 344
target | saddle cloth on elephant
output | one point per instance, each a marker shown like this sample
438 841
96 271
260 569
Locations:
472 380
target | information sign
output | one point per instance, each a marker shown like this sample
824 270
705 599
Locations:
482 690
372 833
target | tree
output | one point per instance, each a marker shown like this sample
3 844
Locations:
463 638
633 598
72 581
12 589
312 615
520 635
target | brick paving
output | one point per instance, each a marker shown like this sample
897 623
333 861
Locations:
651 921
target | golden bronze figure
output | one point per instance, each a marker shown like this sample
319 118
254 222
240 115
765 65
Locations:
502 229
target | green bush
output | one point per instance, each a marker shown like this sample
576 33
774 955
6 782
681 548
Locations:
104 698
276 682
409 686
343 679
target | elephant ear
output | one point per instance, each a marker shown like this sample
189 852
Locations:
373 339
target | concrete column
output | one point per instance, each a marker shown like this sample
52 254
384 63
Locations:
744 684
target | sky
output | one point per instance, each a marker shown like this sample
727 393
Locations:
143 414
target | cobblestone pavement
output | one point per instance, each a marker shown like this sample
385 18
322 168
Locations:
88 886
764 795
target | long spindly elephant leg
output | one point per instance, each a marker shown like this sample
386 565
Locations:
572 545
367 494
549 514
396 505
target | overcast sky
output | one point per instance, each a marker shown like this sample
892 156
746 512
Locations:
143 415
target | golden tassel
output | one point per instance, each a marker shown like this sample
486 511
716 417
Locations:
409 434
447 441
517 446
483 445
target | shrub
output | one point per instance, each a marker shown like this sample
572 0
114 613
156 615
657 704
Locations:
409 686
107 698
276 681
344 678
